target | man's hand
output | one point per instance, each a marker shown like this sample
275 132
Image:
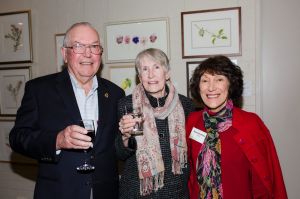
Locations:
73 137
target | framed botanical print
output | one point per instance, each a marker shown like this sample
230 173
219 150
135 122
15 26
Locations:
15 37
59 38
124 40
125 77
211 32
12 84
6 153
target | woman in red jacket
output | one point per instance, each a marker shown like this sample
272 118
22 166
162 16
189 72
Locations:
231 151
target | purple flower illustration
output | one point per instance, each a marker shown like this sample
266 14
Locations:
119 39
127 39
153 38
135 40
144 40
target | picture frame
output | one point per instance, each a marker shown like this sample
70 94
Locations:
7 155
12 85
211 32
124 76
15 37
124 40
59 39
190 67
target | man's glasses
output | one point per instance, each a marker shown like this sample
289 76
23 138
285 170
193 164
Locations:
81 48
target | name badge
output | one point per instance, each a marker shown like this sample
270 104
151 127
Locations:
198 135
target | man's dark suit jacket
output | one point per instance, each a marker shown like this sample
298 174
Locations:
48 106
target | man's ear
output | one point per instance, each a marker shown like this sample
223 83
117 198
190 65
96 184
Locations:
64 54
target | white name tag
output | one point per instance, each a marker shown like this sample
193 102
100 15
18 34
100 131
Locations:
198 135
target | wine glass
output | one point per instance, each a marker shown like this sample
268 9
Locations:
138 127
89 126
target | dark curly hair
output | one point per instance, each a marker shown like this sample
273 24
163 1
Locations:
220 65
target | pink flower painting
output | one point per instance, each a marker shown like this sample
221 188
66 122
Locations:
135 39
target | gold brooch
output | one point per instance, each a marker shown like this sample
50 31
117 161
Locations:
106 95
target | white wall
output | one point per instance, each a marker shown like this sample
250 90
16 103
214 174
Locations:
54 16
17 181
281 93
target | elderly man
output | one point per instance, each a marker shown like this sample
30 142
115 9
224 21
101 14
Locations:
47 124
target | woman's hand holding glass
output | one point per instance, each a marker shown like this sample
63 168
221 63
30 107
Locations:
127 126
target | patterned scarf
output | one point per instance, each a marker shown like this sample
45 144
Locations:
209 158
149 158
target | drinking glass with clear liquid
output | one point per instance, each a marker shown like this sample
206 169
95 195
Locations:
138 127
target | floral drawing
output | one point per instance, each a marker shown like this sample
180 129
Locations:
136 39
214 36
126 83
15 35
143 40
153 38
14 90
119 39
127 39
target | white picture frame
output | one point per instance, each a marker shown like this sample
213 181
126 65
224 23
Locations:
124 40
7 155
15 37
211 32
59 38
124 76
12 85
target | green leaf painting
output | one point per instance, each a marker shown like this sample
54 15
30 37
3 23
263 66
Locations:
126 83
219 35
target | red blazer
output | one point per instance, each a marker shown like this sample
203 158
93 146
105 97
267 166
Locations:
254 139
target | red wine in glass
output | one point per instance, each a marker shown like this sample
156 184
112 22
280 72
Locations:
91 133
89 126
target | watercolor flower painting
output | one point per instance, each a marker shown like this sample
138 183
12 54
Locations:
135 39
220 34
